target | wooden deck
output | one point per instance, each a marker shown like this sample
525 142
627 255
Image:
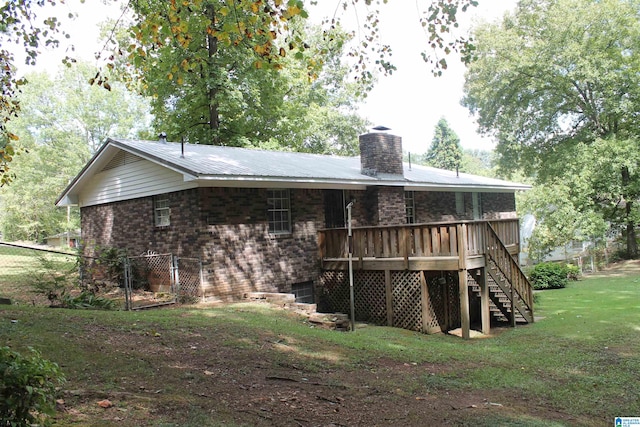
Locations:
489 248
431 246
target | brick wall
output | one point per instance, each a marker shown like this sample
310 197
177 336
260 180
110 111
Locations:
130 224
226 227
498 206
435 206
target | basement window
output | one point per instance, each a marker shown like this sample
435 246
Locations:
161 210
303 292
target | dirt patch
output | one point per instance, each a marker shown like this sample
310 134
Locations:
196 376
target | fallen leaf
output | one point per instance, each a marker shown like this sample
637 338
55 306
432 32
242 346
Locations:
106 403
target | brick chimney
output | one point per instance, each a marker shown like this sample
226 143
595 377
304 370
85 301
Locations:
380 153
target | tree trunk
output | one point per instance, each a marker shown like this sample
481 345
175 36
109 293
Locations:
632 244
214 113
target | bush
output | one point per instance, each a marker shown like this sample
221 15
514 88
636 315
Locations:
88 300
573 272
27 388
53 279
549 275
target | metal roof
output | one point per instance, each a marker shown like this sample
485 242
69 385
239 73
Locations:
210 162
228 166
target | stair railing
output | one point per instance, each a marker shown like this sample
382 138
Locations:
497 252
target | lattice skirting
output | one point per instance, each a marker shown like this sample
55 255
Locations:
428 306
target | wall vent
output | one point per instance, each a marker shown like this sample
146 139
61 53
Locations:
121 159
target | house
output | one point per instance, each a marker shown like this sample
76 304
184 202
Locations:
276 221
68 239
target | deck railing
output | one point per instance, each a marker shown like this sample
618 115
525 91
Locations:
416 240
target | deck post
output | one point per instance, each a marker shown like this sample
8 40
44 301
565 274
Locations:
465 317
426 313
484 301
389 295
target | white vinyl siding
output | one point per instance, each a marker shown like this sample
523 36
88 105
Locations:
131 181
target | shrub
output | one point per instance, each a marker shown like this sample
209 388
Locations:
88 300
549 275
573 272
27 388
53 279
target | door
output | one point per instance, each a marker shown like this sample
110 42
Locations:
334 213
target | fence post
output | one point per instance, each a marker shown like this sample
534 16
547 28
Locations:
175 277
127 283
201 278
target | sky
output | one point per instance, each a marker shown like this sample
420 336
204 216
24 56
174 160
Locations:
410 102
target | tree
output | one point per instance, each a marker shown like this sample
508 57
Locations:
63 121
19 25
262 26
445 151
227 100
478 162
554 78
559 218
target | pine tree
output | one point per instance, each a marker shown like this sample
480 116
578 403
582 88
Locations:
445 151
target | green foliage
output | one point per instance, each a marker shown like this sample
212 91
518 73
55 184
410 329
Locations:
562 103
562 214
218 95
88 300
573 272
53 279
445 151
27 388
549 275
56 280
62 122
478 162
21 24
111 261
183 39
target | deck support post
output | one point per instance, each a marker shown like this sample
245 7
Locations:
426 304
484 301
465 317
463 287
389 295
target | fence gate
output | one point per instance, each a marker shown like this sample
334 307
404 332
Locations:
153 280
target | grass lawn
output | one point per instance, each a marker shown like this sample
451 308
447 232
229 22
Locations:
18 266
248 364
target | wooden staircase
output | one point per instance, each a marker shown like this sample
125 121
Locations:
510 293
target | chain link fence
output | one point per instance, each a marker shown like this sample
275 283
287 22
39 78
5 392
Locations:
40 275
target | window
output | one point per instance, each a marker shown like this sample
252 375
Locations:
278 211
303 292
460 204
410 207
161 210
